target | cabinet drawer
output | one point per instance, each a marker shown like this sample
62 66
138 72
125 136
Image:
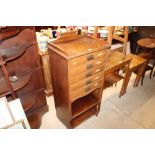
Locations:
86 74
86 58
75 94
86 82
86 67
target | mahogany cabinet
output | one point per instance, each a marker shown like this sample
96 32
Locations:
78 65
20 71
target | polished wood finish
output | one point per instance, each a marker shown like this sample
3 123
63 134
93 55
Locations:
46 72
141 33
117 61
78 64
150 63
148 53
147 42
19 58
137 65
123 37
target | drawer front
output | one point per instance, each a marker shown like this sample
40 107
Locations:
86 82
86 59
87 67
75 94
87 74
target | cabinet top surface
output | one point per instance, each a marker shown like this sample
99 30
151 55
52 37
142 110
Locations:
77 46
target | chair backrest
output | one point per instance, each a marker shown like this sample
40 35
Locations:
123 38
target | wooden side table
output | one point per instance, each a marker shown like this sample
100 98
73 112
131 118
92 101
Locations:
147 43
46 72
137 63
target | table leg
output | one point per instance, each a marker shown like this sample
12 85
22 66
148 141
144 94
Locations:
125 83
141 69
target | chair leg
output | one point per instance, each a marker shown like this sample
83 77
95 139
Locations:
137 49
142 78
140 73
152 70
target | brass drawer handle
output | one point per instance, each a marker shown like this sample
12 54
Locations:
96 77
100 54
97 70
98 62
88 82
90 66
95 84
90 57
87 89
88 74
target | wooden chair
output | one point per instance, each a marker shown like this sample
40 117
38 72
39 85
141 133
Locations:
137 64
122 38
112 74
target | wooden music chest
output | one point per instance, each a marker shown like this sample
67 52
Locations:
78 64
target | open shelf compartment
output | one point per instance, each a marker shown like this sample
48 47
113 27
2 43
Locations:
84 116
85 107
83 104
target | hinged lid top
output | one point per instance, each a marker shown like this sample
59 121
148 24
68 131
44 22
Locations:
71 45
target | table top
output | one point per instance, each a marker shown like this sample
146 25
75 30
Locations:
116 59
147 42
136 60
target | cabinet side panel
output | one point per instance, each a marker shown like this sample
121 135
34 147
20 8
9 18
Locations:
59 67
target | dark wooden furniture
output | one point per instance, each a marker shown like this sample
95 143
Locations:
146 50
142 32
150 64
78 65
46 72
20 71
117 61
148 45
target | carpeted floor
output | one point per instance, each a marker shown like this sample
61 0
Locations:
136 109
